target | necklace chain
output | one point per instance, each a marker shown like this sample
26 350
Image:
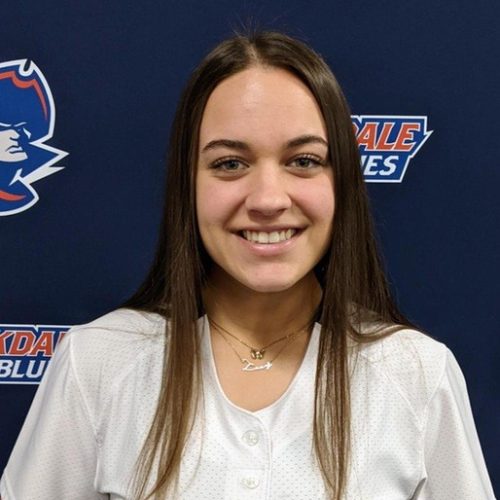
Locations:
256 353
248 365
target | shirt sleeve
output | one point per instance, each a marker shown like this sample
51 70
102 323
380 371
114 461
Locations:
454 462
55 455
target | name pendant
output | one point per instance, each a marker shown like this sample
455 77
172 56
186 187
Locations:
252 367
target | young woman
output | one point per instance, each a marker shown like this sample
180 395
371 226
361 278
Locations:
263 357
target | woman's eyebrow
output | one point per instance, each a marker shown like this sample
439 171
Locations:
243 146
226 143
306 139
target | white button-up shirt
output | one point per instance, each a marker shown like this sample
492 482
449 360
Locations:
413 435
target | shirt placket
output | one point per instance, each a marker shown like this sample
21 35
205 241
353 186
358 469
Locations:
249 477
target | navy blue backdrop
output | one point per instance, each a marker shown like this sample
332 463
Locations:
115 70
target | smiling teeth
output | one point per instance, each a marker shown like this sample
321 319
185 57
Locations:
273 237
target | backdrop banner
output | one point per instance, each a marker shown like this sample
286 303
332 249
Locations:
87 96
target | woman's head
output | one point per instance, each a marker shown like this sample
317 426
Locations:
264 184
263 54
349 271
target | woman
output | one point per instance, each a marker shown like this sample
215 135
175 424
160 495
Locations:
263 356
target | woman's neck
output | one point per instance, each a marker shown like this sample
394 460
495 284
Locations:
257 317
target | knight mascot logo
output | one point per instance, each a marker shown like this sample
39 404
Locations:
27 118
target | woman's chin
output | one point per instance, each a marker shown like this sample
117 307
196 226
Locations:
269 287
274 279
273 283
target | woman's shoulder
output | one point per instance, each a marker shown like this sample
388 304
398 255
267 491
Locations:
116 341
122 346
118 330
407 362
125 320
403 349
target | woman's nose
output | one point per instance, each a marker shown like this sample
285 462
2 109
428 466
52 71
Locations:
268 193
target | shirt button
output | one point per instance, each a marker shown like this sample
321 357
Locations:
251 438
250 482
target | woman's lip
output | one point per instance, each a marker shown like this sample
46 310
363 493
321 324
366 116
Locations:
269 229
269 249
295 231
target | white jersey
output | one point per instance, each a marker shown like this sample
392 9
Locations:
413 434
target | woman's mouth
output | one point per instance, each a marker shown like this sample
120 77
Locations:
265 238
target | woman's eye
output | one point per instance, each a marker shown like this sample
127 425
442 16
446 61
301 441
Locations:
227 165
306 162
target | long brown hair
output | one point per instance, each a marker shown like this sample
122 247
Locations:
350 273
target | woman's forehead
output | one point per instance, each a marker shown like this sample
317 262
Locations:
261 104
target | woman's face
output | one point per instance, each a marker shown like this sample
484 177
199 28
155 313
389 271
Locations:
264 188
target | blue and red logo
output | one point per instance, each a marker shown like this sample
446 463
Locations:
388 143
25 351
27 118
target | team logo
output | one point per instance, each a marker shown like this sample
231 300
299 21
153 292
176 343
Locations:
27 118
25 351
388 143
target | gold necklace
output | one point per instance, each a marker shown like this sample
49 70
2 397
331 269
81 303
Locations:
254 352
248 365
